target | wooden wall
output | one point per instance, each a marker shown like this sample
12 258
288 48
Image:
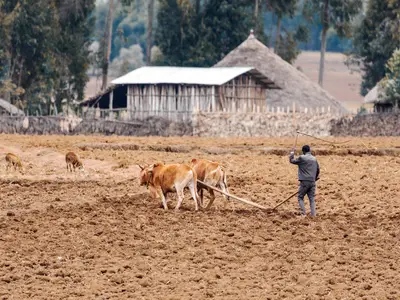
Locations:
178 102
243 94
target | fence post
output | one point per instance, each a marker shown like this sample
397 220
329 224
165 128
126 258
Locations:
294 115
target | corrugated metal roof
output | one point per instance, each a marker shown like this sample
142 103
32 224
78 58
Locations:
182 75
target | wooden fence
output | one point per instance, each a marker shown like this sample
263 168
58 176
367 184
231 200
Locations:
123 114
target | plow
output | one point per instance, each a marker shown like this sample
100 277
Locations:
242 200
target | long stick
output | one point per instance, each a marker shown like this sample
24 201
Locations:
287 199
326 141
295 142
232 196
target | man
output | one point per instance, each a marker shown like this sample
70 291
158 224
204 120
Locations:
308 175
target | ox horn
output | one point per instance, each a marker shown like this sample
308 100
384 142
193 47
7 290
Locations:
141 167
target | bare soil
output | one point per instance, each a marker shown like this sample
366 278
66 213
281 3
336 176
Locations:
98 235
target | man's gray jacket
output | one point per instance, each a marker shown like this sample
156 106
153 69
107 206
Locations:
308 166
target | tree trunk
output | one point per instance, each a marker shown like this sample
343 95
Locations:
108 40
197 7
278 34
150 13
325 27
256 10
270 30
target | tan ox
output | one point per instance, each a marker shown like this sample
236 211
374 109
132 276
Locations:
170 178
73 161
14 161
211 173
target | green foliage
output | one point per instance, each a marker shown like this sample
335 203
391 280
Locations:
225 26
289 37
188 39
306 17
7 17
288 49
175 35
128 60
258 24
129 25
391 82
339 14
45 53
375 40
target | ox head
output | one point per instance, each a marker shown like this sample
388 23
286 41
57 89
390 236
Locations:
80 165
146 175
193 162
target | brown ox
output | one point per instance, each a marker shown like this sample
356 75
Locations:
14 161
211 173
170 178
73 161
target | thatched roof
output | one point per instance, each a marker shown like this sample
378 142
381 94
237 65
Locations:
10 109
96 98
296 86
375 95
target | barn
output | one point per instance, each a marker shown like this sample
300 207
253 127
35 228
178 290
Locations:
175 93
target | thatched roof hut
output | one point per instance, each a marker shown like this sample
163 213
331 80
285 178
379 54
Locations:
376 97
9 109
296 86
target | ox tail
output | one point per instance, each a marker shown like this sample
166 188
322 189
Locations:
195 195
225 183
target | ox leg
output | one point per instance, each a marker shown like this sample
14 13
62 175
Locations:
180 199
164 199
223 187
201 197
195 196
212 198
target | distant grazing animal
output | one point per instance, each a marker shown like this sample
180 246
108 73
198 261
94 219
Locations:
211 173
13 161
164 179
73 161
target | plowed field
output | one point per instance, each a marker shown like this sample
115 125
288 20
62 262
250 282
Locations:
98 235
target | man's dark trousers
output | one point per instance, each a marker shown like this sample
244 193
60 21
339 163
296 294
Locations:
307 188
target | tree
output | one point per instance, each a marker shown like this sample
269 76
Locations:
288 34
288 48
107 43
375 39
128 60
175 34
43 61
149 41
391 82
281 8
337 14
7 17
73 42
226 24
258 21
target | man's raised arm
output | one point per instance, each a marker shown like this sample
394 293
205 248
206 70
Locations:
293 160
